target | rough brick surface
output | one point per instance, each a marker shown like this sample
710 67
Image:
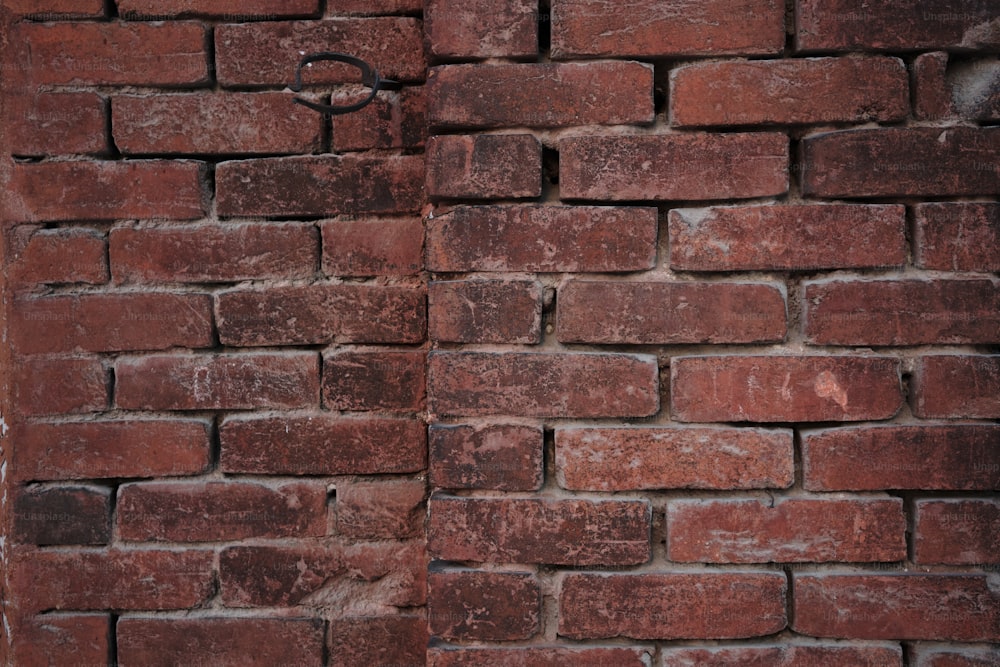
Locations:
63 515
546 95
569 238
47 386
899 162
647 28
960 457
218 511
63 191
903 606
670 313
545 656
482 29
672 605
778 389
788 92
58 124
200 123
623 459
373 247
930 87
955 386
320 314
794 237
107 449
957 532
673 166
792 655
484 606
118 53
931 656
222 382
484 167
228 641
794 530
958 237
559 385
902 312
485 311
505 457
267 53
384 640
321 444
58 256
392 120
824 25
374 380
51 9
320 186
235 11
380 510
566 532
52 639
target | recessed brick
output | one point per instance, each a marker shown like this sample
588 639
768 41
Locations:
57 256
957 532
391 509
374 380
62 515
485 166
542 239
484 606
55 386
792 237
479 311
624 459
505 457
58 124
957 236
388 247
673 166
956 386
670 313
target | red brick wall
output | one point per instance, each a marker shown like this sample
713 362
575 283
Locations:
626 333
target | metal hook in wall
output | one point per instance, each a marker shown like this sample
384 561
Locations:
369 77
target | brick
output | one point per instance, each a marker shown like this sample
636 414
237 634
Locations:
957 532
956 386
319 314
62 515
372 578
957 236
484 606
540 95
321 444
392 120
227 641
504 457
780 389
112 322
959 457
143 54
58 124
235 11
672 605
931 100
218 381
117 579
50 10
794 237
356 248
789 92
897 606
553 532
214 122
57 191
661 167
900 162
50 640
793 530
482 29
902 312
545 656
542 385
392 509
372 7
974 88
586 239
110 449
824 25
479 311
60 386
320 186
487 166
374 380
382 640
794 656
934 656
264 54
649 29
219 511
670 313
625 459
58 256
214 252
